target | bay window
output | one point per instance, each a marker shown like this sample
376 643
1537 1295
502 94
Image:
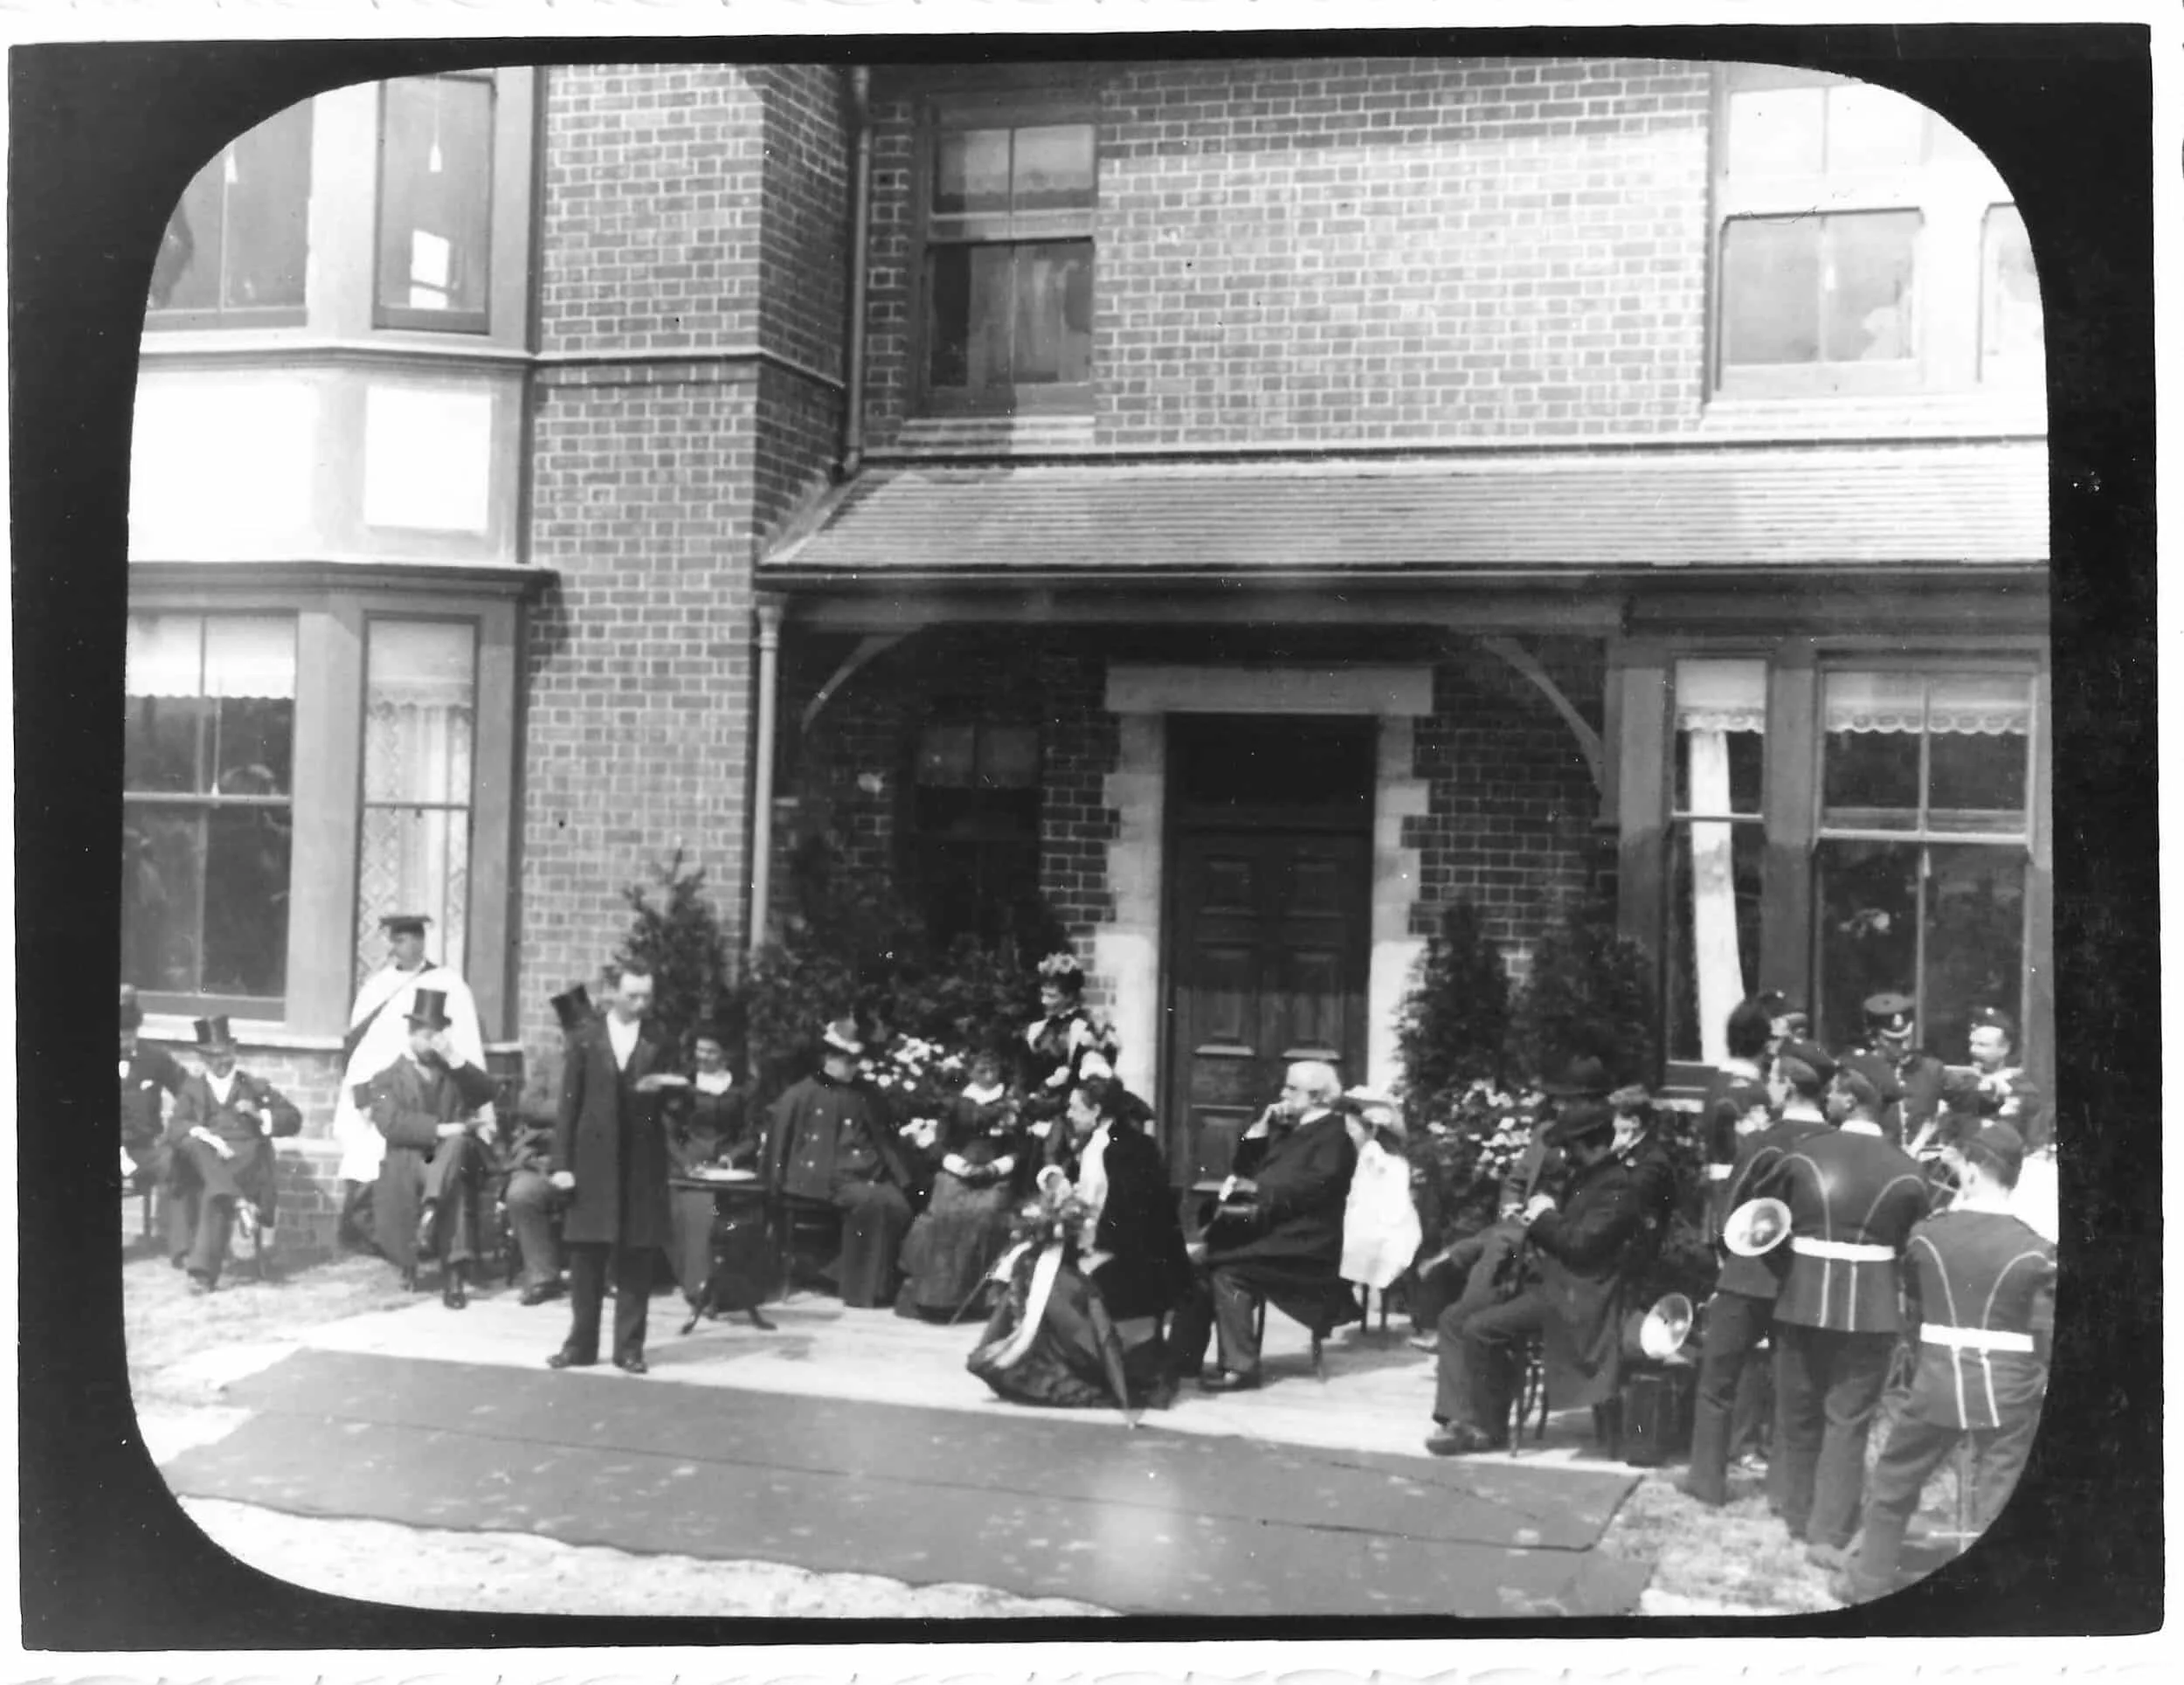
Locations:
435 202
234 251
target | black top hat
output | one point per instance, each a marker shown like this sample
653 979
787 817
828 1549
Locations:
403 924
430 1009
573 1007
1583 1076
132 1014
1890 1014
1586 1116
213 1035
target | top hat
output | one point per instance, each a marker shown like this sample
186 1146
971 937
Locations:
1992 1018
403 924
213 1035
572 1006
1998 1148
1583 1116
1583 1076
132 1014
430 1009
841 1036
1890 1014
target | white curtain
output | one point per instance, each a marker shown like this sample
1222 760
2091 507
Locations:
1989 704
420 726
1712 700
216 655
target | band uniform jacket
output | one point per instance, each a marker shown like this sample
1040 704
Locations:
1589 1252
407 1102
1719 1115
240 1124
149 1075
1147 1271
2008 1095
1852 1201
614 1140
824 1135
1918 1076
1760 1277
1979 1288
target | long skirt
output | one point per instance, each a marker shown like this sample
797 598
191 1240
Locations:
726 1246
954 1243
1062 1361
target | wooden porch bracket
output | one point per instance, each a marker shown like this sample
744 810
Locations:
1523 661
869 648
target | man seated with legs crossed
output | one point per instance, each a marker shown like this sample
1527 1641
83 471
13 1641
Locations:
1278 1234
1584 1252
219 1155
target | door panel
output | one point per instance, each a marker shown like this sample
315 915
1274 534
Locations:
1270 948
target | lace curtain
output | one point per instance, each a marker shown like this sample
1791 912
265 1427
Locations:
1988 704
420 725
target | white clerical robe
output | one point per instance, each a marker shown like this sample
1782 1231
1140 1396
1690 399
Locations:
388 1038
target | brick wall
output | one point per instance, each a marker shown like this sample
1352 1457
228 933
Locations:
1372 250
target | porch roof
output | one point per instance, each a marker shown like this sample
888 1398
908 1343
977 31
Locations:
1882 508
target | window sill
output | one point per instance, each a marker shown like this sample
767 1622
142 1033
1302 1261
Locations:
988 436
2004 413
249 1033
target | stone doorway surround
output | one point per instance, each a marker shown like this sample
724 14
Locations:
1128 952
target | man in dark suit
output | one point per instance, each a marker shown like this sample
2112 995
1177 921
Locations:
1278 1234
610 1152
526 1160
149 1075
1852 1201
1590 1247
423 1105
219 1155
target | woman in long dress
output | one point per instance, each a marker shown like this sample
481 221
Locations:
711 1129
1057 1046
1098 1268
964 1226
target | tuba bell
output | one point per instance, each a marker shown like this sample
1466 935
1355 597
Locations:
1756 1227
1660 1335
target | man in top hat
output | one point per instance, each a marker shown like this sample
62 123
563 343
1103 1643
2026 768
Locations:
148 1074
527 1157
1853 1199
425 1107
1277 1233
829 1142
1589 1246
1995 1089
219 1155
1979 1292
610 1154
1889 1057
1725 1415
378 1035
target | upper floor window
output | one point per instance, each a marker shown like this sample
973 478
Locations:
1861 245
435 202
233 254
1008 258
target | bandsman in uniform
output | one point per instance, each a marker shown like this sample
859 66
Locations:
1888 1055
219 1155
1854 1200
1995 1089
1980 1294
1736 1102
425 1108
1724 1414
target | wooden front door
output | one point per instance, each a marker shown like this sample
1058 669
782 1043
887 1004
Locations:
1270 918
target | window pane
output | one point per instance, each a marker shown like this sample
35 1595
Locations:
1008 757
165 655
414 860
252 740
1053 312
435 186
159 743
246 900
1870 764
1868 285
1979 752
253 655
970 171
1054 168
1769 290
1975 941
420 719
971 316
1867 899
1721 710
1714 946
162 886
1873 128
186 270
268 183
1775 132
944 755
2011 339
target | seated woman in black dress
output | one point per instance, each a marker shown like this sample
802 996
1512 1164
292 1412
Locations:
984 1164
710 1128
1085 1308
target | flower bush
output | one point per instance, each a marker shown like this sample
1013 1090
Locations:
1472 1137
916 1081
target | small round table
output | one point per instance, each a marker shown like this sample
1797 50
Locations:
729 1189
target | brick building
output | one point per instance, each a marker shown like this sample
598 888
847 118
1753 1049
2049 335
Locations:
1258 502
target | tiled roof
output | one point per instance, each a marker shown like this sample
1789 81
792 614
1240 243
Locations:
1774 507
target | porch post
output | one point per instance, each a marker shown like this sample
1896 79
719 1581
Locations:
762 772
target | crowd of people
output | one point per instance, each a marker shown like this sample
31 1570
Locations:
1863 1208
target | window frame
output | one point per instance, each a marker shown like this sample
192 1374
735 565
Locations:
917 838
478 323
1951 193
223 318
1018 108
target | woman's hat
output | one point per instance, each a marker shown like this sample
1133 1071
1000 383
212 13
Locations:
572 1006
1062 968
430 1009
841 1036
1756 1226
132 1014
213 1035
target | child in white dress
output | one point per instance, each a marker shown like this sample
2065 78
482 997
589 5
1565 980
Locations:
1380 1233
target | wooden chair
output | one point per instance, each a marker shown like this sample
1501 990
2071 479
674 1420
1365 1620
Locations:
1531 1398
794 1221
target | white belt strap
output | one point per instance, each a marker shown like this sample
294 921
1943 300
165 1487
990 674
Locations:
1854 1252
1975 1339
1718 1172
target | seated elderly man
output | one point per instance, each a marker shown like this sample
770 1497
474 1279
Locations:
1585 1251
1278 1234
219 1155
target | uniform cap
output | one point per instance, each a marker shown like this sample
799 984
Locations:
1890 1014
1804 1063
1992 1018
